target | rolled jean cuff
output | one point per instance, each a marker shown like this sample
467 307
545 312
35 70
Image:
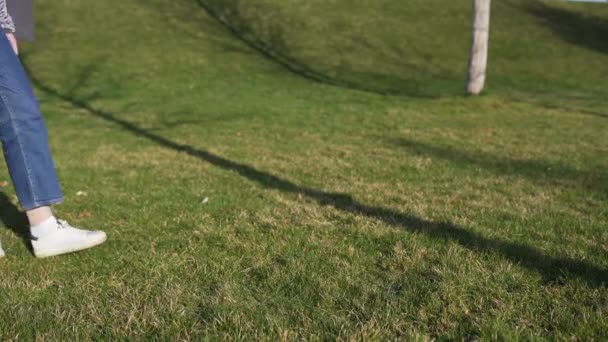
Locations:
41 203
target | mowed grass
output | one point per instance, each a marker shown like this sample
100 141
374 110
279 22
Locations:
287 170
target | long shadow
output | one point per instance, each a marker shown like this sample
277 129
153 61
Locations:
597 114
15 220
574 27
272 46
552 269
207 29
539 171
585 105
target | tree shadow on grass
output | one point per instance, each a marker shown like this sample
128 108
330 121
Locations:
267 38
15 220
574 27
590 104
597 114
558 105
552 269
539 171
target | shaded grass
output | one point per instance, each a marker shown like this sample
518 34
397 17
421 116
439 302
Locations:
576 27
545 172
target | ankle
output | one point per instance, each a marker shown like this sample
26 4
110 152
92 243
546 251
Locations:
38 215
44 228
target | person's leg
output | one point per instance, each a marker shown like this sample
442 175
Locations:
38 215
26 151
24 136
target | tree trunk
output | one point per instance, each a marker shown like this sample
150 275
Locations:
479 46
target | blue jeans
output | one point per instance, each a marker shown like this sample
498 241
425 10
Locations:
23 135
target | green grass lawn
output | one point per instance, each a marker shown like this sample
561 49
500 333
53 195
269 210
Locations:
288 170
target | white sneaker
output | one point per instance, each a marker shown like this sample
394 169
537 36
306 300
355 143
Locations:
66 239
1 251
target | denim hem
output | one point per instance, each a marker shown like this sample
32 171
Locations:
42 203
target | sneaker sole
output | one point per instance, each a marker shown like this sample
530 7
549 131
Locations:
90 244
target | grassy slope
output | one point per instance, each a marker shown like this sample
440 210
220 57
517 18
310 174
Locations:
332 211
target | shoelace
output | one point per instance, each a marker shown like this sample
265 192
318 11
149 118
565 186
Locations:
62 224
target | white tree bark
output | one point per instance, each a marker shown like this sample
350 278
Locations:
479 47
